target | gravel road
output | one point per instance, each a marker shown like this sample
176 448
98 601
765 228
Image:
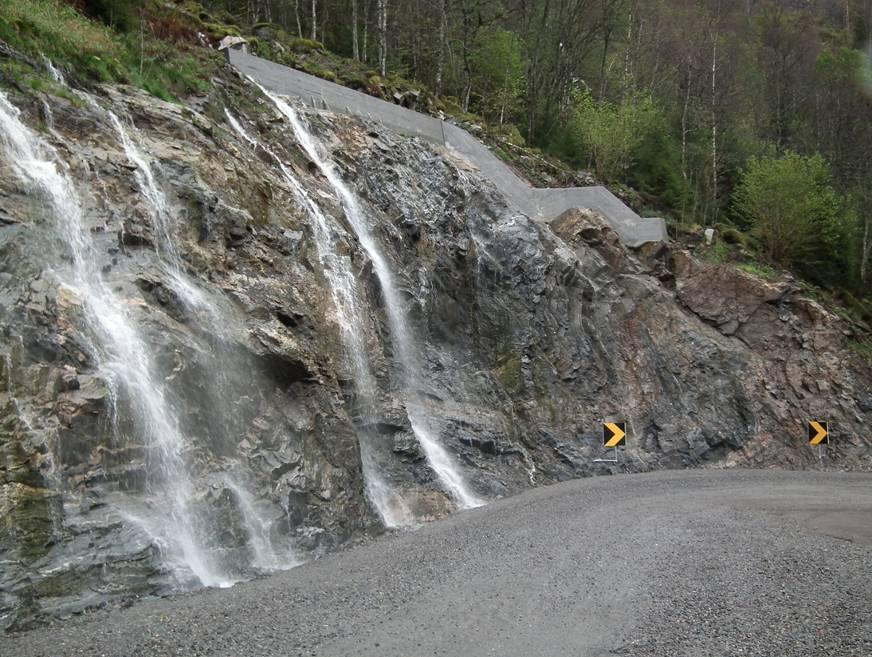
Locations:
693 563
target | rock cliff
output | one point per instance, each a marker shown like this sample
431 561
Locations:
529 335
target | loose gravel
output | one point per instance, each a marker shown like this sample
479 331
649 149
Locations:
693 563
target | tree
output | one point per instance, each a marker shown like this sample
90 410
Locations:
383 37
498 73
789 203
611 133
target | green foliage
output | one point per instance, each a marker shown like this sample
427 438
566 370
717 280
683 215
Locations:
54 29
759 269
718 252
858 309
97 52
842 66
788 202
37 79
304 45
509 133
119 14
731 235
509 371
612 133
656 167
498 74
862 347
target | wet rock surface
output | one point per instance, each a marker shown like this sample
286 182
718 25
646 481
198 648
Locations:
531 335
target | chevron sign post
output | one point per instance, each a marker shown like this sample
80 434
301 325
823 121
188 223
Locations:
819 434
614 436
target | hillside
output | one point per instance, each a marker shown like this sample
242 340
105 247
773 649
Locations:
168 48
239 333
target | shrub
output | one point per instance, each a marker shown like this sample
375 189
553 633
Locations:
788 202
304 45
120 14
613 132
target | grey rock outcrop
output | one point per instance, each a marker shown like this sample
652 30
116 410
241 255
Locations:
538 203
531 333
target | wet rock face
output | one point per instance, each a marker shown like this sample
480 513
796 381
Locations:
531 334
538 333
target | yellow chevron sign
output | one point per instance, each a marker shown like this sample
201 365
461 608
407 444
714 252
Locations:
614 433
817 432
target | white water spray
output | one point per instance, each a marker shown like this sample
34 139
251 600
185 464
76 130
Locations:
257 524
122 354
54 72
163 219
437 456
343 289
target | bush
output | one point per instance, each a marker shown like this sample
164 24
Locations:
788 202
94 51
120 14
612 133
304 45
655 168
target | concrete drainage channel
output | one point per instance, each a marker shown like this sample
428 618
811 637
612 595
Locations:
538 203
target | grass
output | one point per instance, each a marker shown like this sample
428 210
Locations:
862 347
36 79
156 57
56 30
759 269
719 252
731 247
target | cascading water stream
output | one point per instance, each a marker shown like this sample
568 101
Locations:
122 354
257 524
54 72
438 457
163 224
343 289
195 300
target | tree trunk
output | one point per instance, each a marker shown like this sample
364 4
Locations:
440 62
714 117
325 18
364 51
684 129
314 20
628 64
866 254
606 38
354 48
297 16
383 37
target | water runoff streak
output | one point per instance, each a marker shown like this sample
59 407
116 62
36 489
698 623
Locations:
163 219
438 457
121 352
343 288
163 224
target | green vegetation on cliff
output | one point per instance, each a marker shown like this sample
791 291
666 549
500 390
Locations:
754 120
148 46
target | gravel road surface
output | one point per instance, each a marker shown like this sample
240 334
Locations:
693 563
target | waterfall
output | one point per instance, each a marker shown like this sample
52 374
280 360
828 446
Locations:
218 360
54 72
122 355
163 225
438 457
258 525
343 289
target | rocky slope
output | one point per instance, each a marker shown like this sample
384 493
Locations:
530 335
